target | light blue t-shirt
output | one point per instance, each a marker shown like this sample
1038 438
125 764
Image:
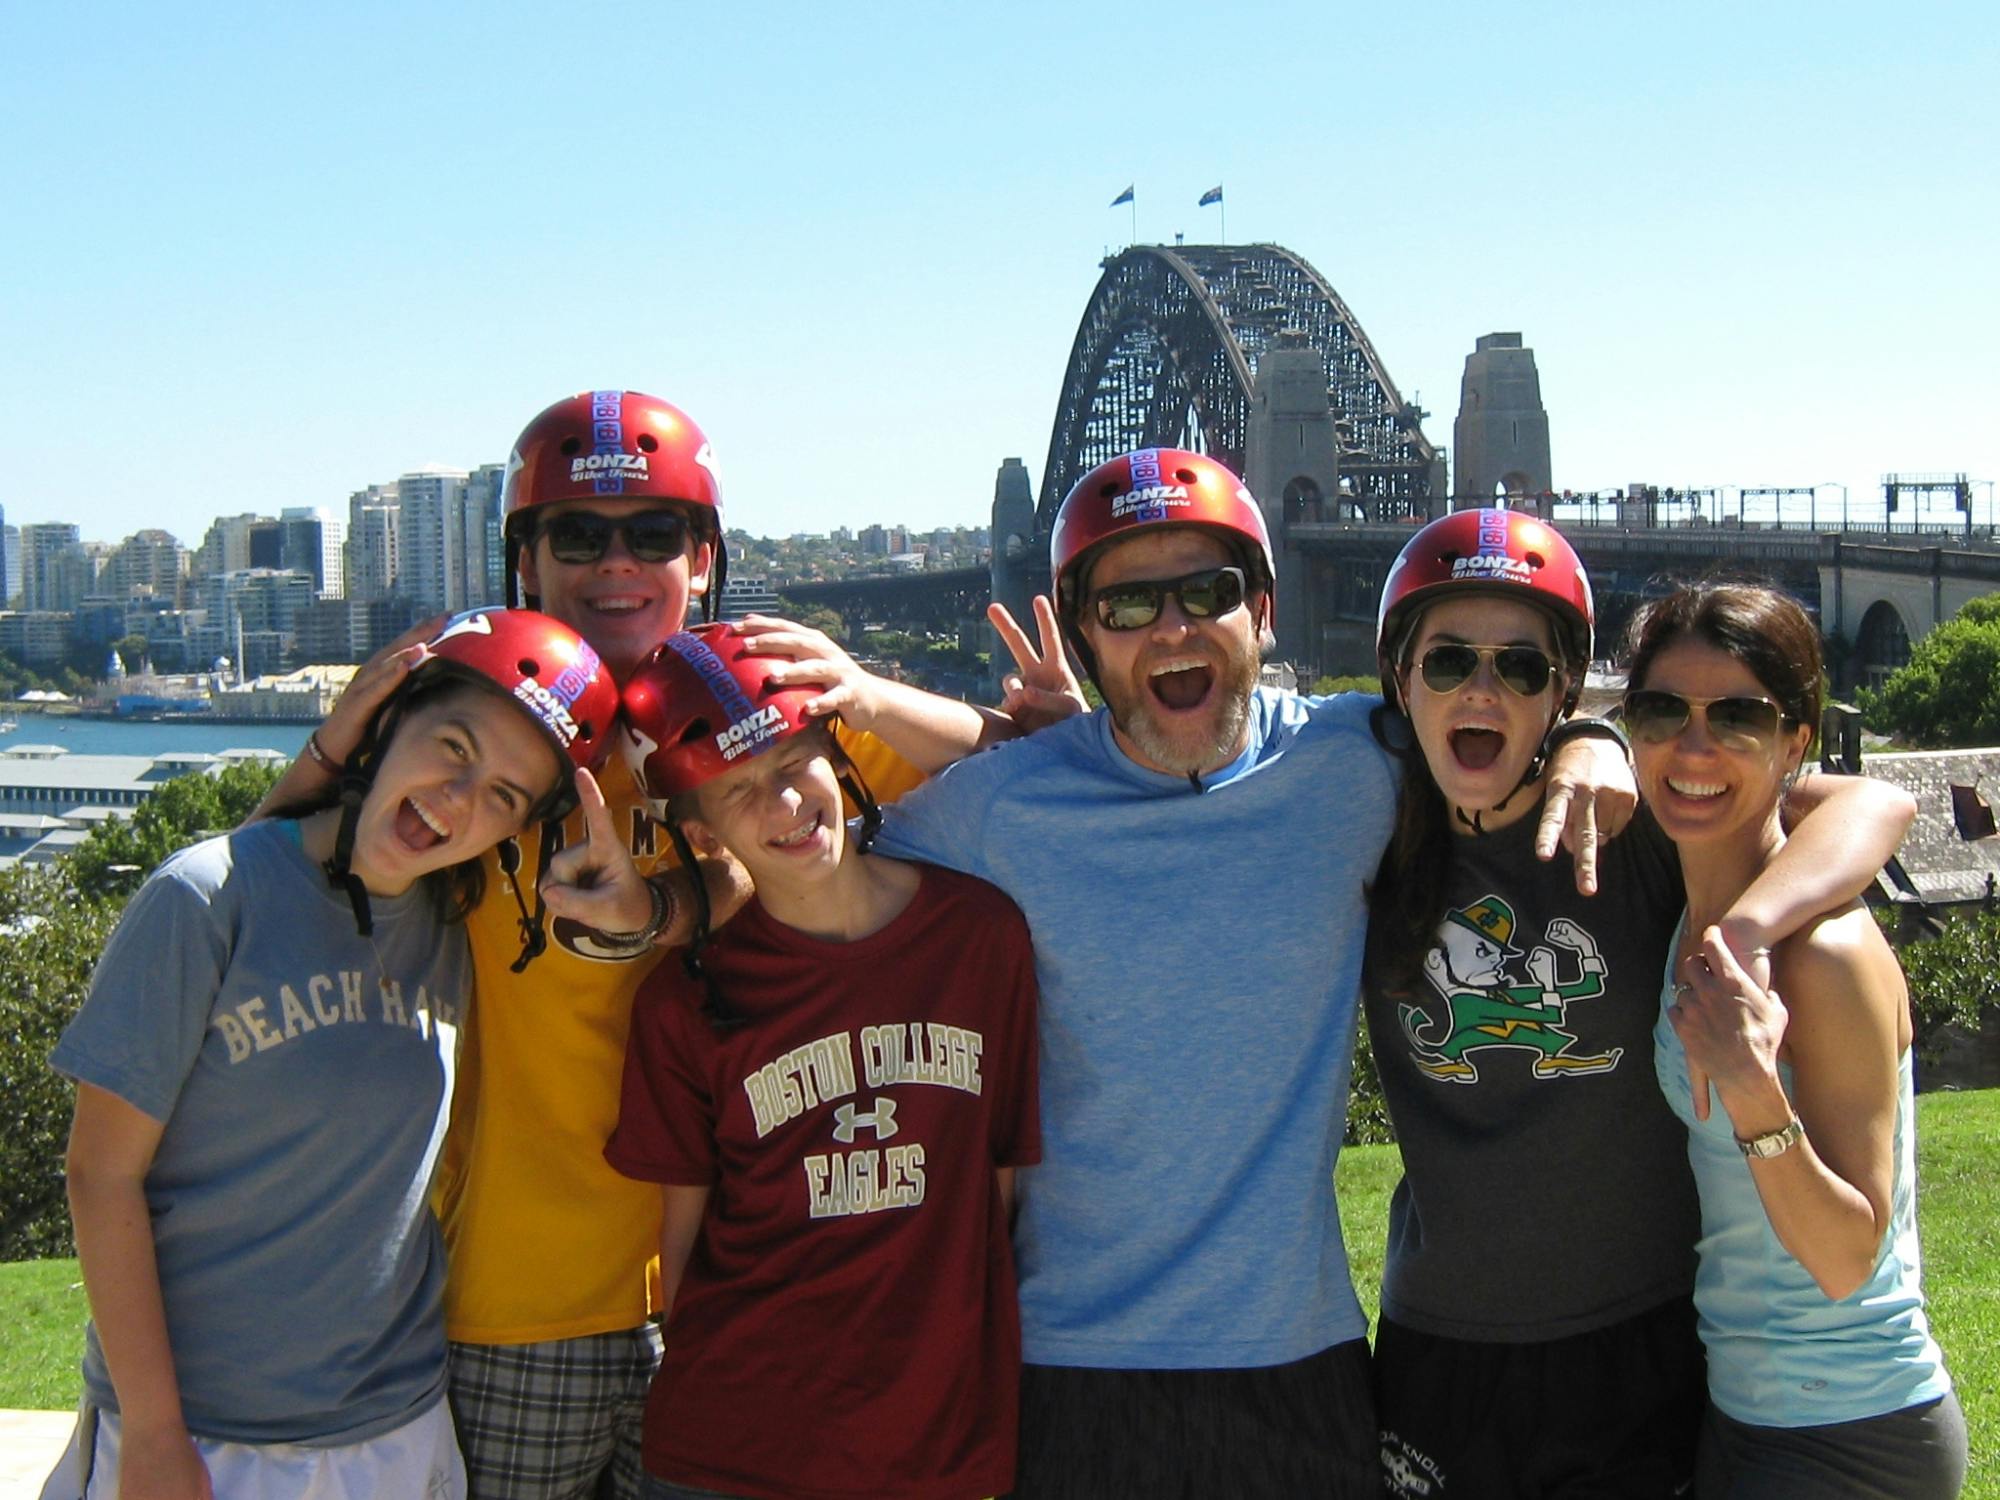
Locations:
297 1068
1781 1353
1199 954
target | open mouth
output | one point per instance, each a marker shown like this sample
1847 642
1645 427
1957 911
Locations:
1476 748
417 827
1181 684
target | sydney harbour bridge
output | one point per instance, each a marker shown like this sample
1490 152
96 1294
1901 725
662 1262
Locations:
1245 352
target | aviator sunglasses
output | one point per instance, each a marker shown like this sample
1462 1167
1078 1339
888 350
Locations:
1524 670
583 536
1136 604
1738 723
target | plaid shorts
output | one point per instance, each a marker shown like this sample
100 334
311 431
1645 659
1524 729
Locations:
557 1420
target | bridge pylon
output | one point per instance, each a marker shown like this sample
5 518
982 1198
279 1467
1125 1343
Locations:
1291 464
1020 558
1500 443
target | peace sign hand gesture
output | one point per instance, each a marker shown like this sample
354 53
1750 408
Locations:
1044 690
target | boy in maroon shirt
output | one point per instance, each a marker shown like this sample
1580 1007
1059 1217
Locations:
834 1093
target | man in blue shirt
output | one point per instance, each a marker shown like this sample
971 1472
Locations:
1192 861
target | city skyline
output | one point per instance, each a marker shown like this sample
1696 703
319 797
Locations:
278 256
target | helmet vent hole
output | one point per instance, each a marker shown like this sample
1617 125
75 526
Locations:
1448 558
648 443
1109 489
586 733
697 729
571 446
527 666
1185 476
1535 560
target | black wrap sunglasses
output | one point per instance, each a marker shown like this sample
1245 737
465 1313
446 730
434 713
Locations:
583 536
1135 604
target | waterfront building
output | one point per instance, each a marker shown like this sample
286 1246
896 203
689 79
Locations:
50 799
37 638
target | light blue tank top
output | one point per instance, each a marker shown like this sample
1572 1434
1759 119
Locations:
1780 1353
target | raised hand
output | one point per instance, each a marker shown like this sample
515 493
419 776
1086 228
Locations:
595 881
1043 690
850 690
1590 797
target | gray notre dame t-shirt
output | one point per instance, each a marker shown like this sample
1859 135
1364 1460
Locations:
300 1074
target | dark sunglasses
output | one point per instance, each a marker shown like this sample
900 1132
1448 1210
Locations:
1522 669
1737 723
583 536
1136 604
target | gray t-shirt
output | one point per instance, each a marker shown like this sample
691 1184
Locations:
300 1074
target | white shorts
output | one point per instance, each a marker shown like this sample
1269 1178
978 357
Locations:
417 1461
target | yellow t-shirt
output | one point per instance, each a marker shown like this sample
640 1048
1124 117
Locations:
545 1240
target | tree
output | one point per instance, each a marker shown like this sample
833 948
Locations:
1954 978
52 937
133 650
1949 694
120 854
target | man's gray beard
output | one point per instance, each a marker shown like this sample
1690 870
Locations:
1235 681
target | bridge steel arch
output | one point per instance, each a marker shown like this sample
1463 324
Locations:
1166 356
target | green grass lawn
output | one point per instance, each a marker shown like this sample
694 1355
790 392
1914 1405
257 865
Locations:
42 1307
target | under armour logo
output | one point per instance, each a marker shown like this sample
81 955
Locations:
882 1121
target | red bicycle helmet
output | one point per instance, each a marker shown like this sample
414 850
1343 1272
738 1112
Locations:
620 445
699 705
547 670
550 672
1501 552
1151 487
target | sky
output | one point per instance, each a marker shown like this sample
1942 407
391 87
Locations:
258 255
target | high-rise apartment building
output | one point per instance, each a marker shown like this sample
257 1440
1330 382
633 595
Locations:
152 563
43 576
430 540
485 549
312 544
10 565
373 515
226 548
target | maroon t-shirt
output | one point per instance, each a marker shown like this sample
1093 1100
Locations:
847 1323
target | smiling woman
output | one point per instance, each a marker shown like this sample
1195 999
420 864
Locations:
272 1017
1822 1372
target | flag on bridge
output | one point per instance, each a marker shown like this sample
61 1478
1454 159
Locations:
1124 197
1213 195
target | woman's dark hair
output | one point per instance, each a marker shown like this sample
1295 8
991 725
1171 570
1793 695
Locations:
1406 899
1764 628
456 889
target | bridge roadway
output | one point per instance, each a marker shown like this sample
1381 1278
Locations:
1875 592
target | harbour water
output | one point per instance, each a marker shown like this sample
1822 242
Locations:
82 736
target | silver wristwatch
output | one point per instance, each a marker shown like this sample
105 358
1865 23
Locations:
1773 1142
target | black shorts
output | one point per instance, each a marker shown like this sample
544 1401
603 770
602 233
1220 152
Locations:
1270 1433
1613 1413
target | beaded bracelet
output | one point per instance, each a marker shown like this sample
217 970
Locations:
324 761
